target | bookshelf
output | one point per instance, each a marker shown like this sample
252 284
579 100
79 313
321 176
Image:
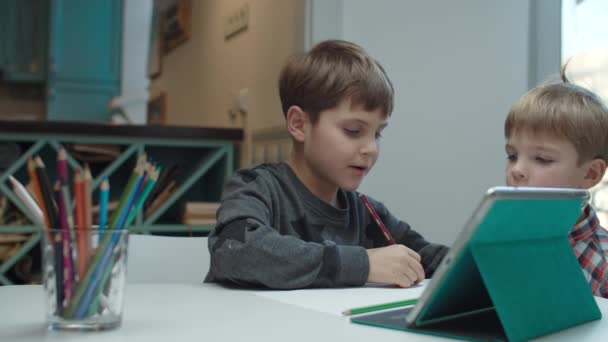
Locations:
204 156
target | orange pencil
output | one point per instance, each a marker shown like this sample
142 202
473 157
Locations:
35 185
81 243
31 171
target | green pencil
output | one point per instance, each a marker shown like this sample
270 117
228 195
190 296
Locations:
148 188
377 307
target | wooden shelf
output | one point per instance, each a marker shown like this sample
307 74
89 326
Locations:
206 156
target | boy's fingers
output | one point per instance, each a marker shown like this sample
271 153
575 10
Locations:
411 275
414 255
404 281
419 271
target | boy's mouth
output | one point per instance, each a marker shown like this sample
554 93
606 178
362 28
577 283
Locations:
360 169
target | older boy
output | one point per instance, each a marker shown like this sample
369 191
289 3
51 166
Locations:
301 223
557 136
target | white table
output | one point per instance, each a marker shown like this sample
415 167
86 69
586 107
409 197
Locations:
207 312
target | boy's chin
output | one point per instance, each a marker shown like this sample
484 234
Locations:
350 187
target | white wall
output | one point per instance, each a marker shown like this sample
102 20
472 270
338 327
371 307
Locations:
134 77
545 43
456 67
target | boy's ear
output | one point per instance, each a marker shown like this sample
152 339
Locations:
297 123
595 172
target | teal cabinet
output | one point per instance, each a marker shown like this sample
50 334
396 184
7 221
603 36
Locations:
4 17
25 28
84 58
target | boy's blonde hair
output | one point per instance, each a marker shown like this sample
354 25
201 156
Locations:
333 71
563 110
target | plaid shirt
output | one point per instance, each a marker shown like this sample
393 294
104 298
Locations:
590 243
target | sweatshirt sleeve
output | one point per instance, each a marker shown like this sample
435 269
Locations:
247 250
430 253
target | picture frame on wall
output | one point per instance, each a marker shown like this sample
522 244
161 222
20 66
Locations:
176 24
157 110
155 48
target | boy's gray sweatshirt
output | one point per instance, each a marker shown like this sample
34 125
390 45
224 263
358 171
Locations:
272 231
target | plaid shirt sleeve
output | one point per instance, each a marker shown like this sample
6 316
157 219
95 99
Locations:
590 243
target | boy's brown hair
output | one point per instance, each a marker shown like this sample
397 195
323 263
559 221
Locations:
563 110
333 71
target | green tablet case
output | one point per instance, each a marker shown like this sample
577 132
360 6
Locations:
515 279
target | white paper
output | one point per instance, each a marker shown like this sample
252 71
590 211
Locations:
335 301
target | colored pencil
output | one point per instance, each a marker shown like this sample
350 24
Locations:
58 258
57 241
84 283
105 246
104 197
66 249
62 166
154 173
27 200
99 292
71 232
47 194
127 192
378 307
63 175
101 273
106 262
136 192
31 171
87 195
140 202
94 282
153 177
379 222
81 242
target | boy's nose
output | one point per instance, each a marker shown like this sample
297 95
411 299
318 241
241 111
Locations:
370 148
518 174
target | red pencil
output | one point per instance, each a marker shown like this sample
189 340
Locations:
379 222
81 241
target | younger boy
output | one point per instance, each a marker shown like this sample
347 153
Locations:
301 223
557 136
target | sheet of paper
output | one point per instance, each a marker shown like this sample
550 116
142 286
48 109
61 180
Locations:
334 301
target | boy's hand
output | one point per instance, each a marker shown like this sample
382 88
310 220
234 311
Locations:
395 264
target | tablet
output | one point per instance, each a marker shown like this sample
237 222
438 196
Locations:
494 274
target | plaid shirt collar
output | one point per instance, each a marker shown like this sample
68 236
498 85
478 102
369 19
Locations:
586 225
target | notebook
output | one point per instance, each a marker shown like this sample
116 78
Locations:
510 275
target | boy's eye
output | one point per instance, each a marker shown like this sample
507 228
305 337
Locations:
352 132
543 160
511 157
378 135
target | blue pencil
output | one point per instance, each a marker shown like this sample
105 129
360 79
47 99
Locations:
125 213
104 196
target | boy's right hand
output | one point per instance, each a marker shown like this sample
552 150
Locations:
395 264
